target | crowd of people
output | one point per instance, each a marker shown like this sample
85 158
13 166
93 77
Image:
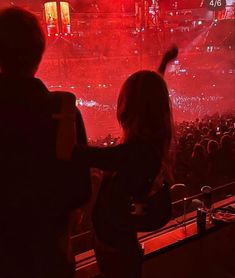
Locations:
203 151
46 161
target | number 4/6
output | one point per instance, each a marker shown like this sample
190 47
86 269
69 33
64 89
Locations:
215 3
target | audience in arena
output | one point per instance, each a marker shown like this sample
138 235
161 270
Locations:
203 153
40 193
214 134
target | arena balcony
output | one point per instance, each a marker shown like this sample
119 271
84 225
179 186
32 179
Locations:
180 249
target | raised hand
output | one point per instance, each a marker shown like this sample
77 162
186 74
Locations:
170 55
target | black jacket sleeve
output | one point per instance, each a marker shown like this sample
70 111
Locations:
106 159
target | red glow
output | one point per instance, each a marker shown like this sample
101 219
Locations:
106 48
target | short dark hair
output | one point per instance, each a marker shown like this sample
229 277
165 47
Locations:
22 41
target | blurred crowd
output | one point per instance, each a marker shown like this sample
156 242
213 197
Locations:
203 151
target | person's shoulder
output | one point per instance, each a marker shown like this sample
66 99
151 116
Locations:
63 99
64 93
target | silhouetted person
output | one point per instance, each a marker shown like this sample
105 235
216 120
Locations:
38 192
212 159
198 167
226 158
144 112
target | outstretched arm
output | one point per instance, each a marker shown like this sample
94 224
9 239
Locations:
170 55
106 159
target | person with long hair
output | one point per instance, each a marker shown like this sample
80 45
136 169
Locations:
144 113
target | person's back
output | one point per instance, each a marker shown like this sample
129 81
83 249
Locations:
38 192
24 163
198 173
198 162
133 169
226 158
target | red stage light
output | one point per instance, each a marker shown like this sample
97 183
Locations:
57 16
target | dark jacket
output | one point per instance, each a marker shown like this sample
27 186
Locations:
38 192
130 169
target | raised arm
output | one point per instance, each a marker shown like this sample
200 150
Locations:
170 55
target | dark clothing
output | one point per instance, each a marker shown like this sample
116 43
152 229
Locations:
212 160
226 163
199 174
116 263
130 171
38 192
